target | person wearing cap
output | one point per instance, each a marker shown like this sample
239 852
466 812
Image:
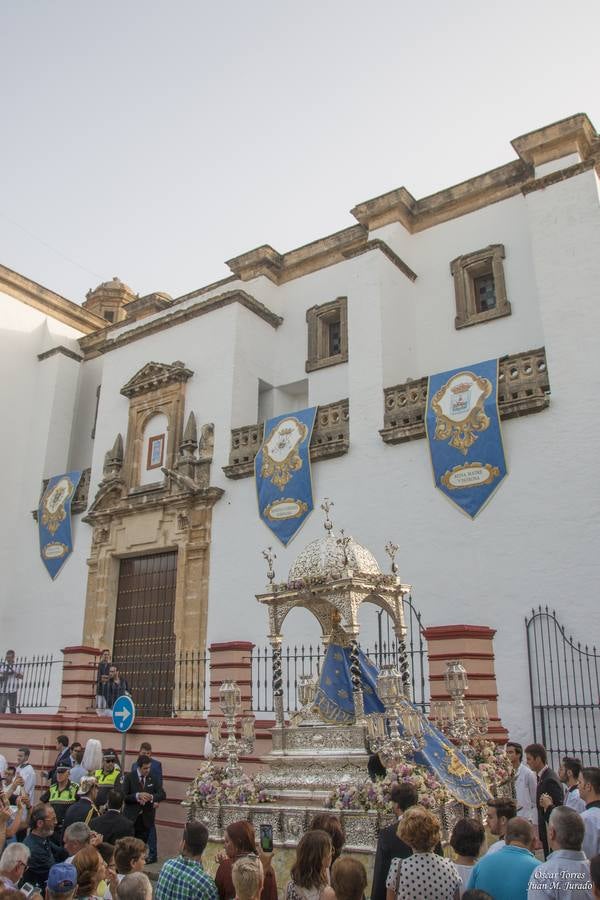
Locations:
62 882
60 795
108 777
85 808
63 756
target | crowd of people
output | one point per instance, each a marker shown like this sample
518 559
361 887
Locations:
92 830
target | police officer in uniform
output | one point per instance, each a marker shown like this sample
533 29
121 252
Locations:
108 777
60 795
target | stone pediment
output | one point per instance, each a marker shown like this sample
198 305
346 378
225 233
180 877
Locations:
154 376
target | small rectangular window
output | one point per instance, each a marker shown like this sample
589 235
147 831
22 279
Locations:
335 337
327 334
109 315
485 292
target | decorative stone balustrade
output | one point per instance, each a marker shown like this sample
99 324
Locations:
330 438
523 388
80 498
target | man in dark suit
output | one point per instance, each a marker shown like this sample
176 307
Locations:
157 773
113 824
389 845
142 791
63 757
548 786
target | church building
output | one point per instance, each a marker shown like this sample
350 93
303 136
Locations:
160 403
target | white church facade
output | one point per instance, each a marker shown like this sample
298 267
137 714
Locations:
160 401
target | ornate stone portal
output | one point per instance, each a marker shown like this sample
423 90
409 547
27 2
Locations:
172 511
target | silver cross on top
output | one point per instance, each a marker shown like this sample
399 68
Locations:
270 557
326 506
391 550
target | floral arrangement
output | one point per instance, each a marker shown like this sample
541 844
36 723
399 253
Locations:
211 787
375 796
493 763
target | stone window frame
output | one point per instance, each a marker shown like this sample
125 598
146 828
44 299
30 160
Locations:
167 400
318 319
465 269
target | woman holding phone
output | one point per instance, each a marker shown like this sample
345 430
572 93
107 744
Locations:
239 840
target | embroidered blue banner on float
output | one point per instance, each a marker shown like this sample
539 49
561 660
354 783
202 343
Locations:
463 430
282 473
54 521
333 697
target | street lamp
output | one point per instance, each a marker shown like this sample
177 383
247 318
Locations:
459 719
397 732
230 699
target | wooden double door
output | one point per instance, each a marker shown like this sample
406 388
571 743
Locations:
144 640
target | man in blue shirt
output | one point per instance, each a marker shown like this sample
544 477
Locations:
506 874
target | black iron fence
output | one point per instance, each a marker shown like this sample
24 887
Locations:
565 689
305 660
30 683
162 688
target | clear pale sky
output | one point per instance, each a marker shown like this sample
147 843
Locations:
154 140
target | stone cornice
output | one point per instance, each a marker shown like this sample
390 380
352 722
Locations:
63 351
95 345
575 134
154 376
46 301
334 248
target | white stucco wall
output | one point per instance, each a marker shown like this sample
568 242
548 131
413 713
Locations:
37 398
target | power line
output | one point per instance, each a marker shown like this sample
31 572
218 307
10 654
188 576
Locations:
58 252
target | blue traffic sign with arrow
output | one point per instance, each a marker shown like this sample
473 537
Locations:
123 713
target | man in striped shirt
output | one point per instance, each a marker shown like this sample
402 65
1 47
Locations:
10 675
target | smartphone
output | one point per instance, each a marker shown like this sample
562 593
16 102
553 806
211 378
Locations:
266 838
27 889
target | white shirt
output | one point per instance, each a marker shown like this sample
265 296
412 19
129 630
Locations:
465 873
591 838
564 876
574 801
525 789
28 775
3 765
10 684
497 845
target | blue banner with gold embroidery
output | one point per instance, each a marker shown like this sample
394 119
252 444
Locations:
333 697
282 473
335 704
54 521
465 439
